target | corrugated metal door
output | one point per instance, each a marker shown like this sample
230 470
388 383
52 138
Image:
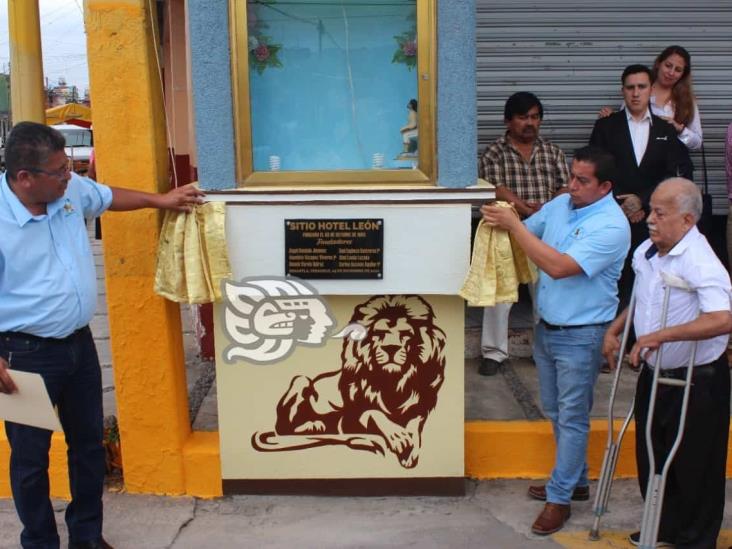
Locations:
571 55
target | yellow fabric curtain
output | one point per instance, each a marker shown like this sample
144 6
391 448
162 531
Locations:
497 267
192 257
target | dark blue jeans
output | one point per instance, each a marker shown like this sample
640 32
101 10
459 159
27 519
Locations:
71 372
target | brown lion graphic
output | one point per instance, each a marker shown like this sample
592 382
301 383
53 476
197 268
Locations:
383 392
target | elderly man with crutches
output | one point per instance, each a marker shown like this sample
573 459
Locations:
688 324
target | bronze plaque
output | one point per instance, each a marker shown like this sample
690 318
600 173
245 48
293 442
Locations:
334 248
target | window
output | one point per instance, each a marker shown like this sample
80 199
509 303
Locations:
76 137
334 91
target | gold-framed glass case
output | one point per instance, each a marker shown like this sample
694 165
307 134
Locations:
334 91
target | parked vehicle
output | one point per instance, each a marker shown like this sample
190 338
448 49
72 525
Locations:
79 145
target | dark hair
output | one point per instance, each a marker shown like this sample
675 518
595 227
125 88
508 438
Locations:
682 94
29 145
413 104
603 161
521 103
635 69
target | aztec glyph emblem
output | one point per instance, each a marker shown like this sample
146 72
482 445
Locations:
383 392
266 318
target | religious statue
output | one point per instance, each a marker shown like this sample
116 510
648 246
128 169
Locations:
410 132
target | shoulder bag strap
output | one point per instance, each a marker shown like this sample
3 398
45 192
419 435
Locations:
704 169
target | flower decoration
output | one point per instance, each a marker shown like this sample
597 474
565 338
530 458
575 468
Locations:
406 51
262 52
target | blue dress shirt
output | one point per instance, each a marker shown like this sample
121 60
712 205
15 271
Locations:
48 283
597 237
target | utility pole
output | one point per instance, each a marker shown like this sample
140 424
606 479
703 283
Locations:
26 84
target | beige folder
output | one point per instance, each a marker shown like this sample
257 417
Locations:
30 405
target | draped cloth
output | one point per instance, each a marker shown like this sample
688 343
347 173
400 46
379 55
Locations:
497 267
192 257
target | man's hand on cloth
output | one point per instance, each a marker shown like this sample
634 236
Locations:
502 217
182 199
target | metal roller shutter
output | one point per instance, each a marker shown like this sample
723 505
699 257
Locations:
570 54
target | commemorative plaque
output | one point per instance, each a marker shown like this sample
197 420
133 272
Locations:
334 248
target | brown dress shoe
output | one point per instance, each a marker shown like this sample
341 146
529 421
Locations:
581 493
551 519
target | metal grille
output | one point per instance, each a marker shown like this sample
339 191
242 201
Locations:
571 53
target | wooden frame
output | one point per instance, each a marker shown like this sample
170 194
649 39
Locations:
426 172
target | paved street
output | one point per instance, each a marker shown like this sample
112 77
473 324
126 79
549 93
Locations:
492 514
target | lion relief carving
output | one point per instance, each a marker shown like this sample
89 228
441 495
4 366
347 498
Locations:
380 397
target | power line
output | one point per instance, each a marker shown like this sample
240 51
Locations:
64 13
54 10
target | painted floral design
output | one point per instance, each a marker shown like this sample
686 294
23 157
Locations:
262 52
406 51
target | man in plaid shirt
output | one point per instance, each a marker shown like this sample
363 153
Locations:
527 171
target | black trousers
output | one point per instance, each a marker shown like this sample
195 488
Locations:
693 502
71 372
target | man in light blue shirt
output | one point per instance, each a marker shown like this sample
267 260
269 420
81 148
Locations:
48 295
579 241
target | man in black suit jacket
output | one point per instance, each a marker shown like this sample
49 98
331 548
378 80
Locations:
646 150
662 155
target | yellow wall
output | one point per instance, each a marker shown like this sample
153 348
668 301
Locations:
525 449
493 449
147 350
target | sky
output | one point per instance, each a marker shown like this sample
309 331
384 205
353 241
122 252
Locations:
62 39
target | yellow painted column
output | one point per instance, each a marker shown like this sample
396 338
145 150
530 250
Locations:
147 350
26 62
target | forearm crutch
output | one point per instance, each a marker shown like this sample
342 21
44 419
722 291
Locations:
657 482
612 447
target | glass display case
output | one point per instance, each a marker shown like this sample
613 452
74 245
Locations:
334 91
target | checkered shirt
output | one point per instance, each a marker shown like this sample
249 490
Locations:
535 181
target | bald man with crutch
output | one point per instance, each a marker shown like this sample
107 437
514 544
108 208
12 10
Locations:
686 473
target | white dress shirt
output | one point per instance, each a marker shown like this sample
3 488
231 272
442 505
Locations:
639 132
693 260
691 136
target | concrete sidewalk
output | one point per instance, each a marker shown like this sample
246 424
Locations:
493 514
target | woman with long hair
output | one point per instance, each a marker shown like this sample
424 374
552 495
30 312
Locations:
672 95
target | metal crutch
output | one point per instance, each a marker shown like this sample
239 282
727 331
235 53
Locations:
612 447
657 482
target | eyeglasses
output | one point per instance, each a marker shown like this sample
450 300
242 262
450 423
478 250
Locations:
57 174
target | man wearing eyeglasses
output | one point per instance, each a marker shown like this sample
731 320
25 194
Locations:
48 296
